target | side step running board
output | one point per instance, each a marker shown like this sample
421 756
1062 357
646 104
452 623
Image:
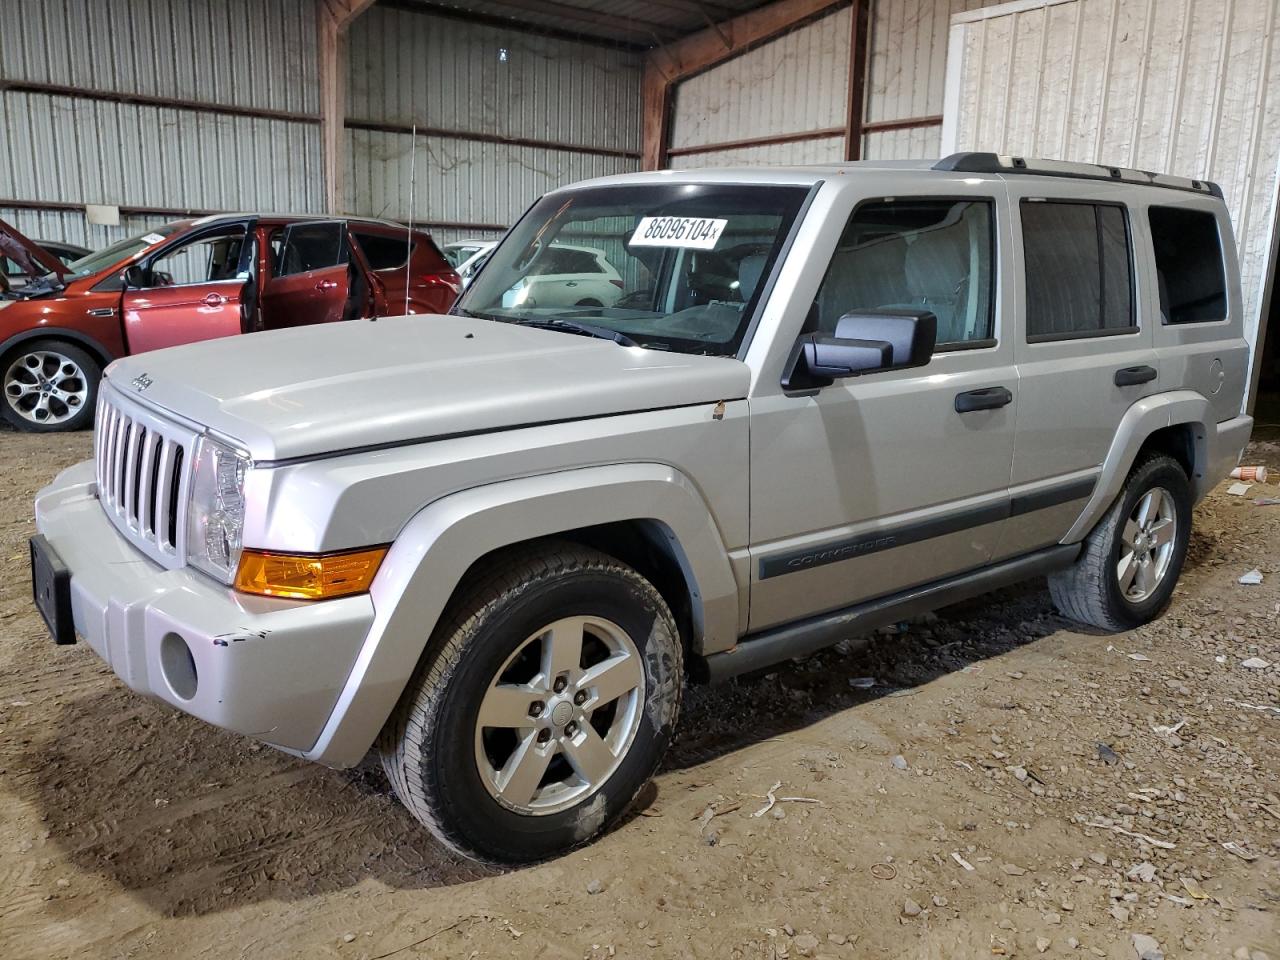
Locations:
805 637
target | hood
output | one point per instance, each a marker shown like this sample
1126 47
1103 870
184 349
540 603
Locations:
34 260
315 390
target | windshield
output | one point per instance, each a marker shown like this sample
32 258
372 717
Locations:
672 266
99 260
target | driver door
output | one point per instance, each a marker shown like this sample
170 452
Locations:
310 281
896 478
192 288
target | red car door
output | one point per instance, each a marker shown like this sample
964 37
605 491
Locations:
310 280
189 290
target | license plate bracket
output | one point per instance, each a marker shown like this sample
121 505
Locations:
51 590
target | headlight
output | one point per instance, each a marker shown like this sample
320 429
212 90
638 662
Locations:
215 512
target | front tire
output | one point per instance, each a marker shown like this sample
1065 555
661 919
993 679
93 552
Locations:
550 694
1126 573
48 385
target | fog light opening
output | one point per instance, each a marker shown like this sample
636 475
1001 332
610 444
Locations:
178 666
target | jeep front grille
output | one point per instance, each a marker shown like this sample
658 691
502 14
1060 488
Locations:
141 460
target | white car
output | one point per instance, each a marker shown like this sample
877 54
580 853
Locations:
462 251
566 276
469 267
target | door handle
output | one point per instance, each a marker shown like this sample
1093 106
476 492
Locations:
1132 376
571 283
326 284
215 299
988 398
101 312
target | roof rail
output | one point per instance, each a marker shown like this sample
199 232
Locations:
979 162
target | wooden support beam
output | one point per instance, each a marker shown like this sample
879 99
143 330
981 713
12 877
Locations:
906 123
821 133
655 117
667 65
333 17
859 54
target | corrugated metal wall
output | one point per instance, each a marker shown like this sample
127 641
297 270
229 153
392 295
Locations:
798 84
488 86
70 226
222 56
794 84
1188 87
908 66
248 53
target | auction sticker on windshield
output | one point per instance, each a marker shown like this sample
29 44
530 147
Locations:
698 233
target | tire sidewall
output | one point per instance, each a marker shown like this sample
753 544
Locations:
465 805
91 369
1158 472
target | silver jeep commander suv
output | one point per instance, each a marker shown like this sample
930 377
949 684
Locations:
494 546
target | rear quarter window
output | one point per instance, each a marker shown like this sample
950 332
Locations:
383 252
1189 270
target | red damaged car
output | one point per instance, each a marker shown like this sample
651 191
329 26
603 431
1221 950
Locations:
196 280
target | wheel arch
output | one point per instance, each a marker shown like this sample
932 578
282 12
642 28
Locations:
82 340
1178 424
653 550
650 516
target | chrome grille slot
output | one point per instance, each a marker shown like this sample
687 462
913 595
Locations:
142 484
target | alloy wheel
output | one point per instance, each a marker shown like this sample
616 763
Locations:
45 387
1147 545
560 715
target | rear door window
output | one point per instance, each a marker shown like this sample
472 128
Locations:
1193 285
1077 258
311 246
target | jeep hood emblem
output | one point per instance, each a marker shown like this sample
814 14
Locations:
141 382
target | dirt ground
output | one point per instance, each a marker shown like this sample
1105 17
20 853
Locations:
1009 785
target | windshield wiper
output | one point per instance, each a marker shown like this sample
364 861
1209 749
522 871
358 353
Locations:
574 326
554 323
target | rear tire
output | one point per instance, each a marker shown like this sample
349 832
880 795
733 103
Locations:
1126 572
48 385
576 662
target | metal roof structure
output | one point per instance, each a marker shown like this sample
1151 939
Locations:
631 24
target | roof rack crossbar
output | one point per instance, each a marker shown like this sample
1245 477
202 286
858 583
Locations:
981 162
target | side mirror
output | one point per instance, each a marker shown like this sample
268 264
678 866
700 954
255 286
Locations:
834 357
865 341
135 277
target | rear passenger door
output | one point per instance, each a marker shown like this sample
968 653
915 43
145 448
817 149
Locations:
386 256
1084 357
880 482
310 281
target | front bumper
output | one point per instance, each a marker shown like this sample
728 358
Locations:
269 669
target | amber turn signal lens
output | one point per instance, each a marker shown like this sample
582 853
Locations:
308 576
